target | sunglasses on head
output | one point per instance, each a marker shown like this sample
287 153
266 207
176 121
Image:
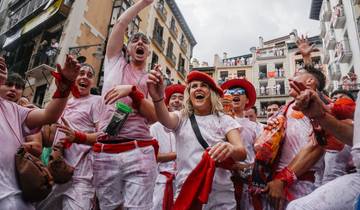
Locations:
235 91
141 36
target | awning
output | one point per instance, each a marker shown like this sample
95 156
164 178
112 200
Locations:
50 11
12 38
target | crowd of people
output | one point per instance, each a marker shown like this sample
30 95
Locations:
144 145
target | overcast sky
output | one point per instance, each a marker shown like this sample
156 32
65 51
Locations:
233 26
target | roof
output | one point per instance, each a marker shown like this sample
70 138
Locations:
182 22
240 56
313 40
205 68
315 9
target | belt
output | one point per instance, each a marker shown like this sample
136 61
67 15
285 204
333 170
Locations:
124 147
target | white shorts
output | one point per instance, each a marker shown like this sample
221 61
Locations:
15 202
339 194
125 179
74 195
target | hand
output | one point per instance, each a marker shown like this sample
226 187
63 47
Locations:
117 93
148 2
155 83
3 71
221 151
67 130
272 123
276 193
71 68
304 46
308 102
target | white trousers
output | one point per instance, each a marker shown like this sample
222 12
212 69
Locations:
15 202
125 179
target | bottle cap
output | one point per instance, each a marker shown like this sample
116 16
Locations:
123 107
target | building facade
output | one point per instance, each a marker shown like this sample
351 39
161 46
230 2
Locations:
39 33
339 24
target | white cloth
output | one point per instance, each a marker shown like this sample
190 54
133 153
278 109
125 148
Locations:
336 163
342 192
248 135
126 178
213 128
166 142
12 132
82 114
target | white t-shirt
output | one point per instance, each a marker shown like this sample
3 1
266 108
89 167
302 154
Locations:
12 131
248 135
82 114
298 133
356 140
189 151
118 72
167 142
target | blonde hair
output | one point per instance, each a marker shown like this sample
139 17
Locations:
216 105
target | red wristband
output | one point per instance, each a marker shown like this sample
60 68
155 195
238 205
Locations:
136 96
287 176
60 79
80 137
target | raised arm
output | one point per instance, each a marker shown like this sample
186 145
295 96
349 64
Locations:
116 38
305 49
156 88
54 109
3 71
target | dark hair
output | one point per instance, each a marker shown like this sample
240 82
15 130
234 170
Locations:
90 66
345 92
274 102
255 109
16 79
317 73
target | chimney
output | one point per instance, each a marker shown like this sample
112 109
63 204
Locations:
217 60
261 42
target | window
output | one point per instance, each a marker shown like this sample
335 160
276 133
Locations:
170 48
224 75
172 23
279 70
264 88
181 63
241 73
262 71
119 7
158 31
154 60
279 88
39 95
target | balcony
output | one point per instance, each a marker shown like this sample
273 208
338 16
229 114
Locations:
272 53
272 92
343 52
326 16
322 29
24 12
174 32
330 40
184 47
181 72
160 9
263 76
170 57
326 57
158 42
338 18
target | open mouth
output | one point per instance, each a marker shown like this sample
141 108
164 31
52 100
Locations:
11 95
199 96
83 84
140 51
236 99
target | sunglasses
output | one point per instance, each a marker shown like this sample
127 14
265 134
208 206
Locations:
235 91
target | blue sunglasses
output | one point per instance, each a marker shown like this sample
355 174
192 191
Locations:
235 91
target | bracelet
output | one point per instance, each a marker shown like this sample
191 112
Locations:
157 101
80 137
286 175
136 96
71 87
